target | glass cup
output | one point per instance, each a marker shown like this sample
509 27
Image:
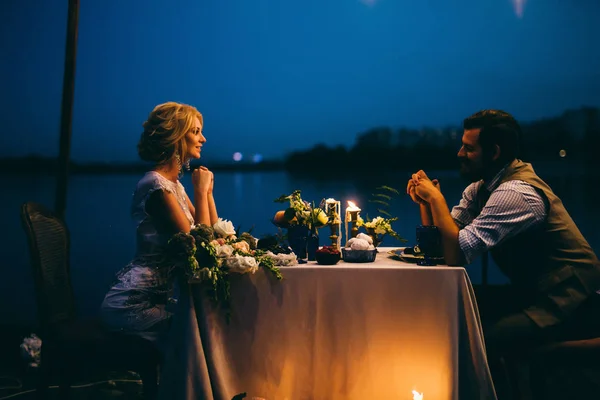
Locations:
429 241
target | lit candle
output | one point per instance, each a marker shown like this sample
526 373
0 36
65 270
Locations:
417 395
353 210
352 216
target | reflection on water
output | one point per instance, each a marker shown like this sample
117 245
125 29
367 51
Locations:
103 236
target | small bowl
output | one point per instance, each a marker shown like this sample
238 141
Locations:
359 256
327 258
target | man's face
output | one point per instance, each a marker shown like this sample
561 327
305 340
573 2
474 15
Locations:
470 155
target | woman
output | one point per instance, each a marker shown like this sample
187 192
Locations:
138 302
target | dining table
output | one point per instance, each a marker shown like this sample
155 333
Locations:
388 329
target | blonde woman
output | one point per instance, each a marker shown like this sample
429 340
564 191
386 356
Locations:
172 136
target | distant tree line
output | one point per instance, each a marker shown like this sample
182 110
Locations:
575 134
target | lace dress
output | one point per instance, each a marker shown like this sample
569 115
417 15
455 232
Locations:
139 300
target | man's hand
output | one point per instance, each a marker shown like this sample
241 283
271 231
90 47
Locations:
411 190
413 182
426 189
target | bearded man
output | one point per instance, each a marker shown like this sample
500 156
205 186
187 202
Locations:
510 212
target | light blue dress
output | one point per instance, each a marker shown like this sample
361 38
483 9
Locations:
140 300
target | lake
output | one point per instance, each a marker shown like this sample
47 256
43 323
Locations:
103 237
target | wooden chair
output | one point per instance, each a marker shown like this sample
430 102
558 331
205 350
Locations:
71 345
570 354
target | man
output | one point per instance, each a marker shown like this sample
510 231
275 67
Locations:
512 213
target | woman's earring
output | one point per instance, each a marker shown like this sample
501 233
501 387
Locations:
178 161
187 165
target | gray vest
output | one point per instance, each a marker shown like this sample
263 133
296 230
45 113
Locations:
552 266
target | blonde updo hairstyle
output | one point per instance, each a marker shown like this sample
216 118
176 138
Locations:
164 132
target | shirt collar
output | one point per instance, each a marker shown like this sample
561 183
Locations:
493 183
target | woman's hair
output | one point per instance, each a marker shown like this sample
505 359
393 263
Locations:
164 132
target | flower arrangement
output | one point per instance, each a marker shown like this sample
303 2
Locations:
299 212
380 226
212 253
31 350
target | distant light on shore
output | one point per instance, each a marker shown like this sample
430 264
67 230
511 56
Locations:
519 7
257 158
369 3
562 153
237 156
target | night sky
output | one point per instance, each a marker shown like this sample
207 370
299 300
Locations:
273 76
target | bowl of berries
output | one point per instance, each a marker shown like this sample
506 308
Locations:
328 255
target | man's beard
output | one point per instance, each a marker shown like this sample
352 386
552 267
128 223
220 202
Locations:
469 171
475 172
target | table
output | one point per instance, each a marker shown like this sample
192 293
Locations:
349 331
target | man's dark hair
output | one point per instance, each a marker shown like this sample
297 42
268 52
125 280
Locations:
497 128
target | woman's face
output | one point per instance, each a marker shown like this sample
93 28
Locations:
194 140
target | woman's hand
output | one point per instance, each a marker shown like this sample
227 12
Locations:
212 183
202 180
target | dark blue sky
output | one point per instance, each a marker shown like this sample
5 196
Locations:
272 76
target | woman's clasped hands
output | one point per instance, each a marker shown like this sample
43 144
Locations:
203 180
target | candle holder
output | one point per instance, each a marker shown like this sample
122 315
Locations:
334 235
333 210
353 223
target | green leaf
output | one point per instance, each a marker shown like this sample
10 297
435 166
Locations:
381 195
379 202
282 199
389 189
384 212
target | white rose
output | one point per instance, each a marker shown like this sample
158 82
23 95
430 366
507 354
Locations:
365 237
224 251
224 228
242 246
241 264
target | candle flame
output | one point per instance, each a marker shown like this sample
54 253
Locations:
417 395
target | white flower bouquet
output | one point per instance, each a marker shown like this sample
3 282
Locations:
212 253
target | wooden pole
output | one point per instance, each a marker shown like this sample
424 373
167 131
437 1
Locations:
66 119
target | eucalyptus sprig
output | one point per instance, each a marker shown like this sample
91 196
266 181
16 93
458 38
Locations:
383 196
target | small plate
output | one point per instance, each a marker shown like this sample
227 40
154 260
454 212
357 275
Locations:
399 254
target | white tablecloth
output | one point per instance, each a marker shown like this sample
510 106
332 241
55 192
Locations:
348 331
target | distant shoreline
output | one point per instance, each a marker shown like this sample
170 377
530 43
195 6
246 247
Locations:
49 166
567 141
39 166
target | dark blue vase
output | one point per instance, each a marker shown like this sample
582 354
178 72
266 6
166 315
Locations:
298 239
312 245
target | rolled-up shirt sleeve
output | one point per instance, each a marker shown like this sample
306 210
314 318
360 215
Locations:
513 207
465 211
